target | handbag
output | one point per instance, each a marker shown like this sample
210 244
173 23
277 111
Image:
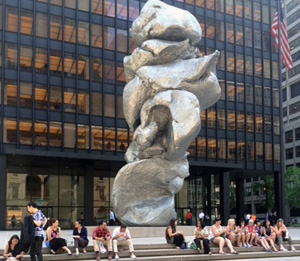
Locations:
193 245
102 248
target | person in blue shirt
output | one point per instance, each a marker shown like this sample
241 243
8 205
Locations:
80 237
38 219
111 218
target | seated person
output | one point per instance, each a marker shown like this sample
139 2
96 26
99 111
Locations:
80 237
260 238
102 235
53 239
269 233
232 232
242 231
282 234
121 237
12 249
174 237
201 234
251 234
217 236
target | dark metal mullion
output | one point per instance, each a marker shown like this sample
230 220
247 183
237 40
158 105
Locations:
18 73
225 80
76 85
116 79
63 78
33 77
128 51
90 76
206 110
216 104
245 90
2 77
196 139
103 76
235 85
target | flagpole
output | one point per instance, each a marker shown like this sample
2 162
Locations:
280 183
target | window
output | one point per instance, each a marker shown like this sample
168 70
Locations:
41 27
276 125
83 136
241 150
25 132
11 19
294 108
69 135
221 61
120 72
268 124
83 5
211 118
268 152
10 93
133 9
239 8
239 63
248 36
256 7
276 98
276 70
249 93
26 58
55 98
231 120
109 135
25 94
96 138
258 66
220 31
295 90
109 8
210 28
97 69
41 64
70 100
250 126
266 41
240 121
231 150
210 4
109 71
230 91
222 148
212 150
221 119
239 35
289 154
230 62
257 39
298 151
250 150
289 136
83 102
120 113
70 30
70 65
259 123
122 9
258 95
97 6
297 134
249 65
55 62
267 69
109 108
11 55
41 97
83 67
55 134
201 146
97 35
96 103
70 3
230 33
229 7
83 32
220 5
9 131
259 152
267 96
203 118
277 153
122 40
55 27
240 92
26 22
265 10
109 38
40 133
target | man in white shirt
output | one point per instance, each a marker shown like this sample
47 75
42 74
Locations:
121 237
201 215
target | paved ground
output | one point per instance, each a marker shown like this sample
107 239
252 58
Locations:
296 258
67 234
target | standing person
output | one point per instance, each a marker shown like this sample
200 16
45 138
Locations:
274 218
80 237
53 239
102 235
261 239
111 218
253 216
38 220
173 236
201 234
201 215
121 236
13 249
283 235
217 236
267 216
189 217
269 233
232 232
247 218
251 234
13 221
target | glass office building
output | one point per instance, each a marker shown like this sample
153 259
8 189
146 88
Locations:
63 132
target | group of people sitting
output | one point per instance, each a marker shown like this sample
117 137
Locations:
101 237
244 235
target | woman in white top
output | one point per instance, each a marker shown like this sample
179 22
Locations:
217 236
201 233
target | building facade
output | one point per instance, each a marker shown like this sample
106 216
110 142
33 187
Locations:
63 133
291 90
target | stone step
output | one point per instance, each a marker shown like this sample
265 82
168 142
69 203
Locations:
188 255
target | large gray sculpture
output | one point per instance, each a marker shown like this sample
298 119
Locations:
168 83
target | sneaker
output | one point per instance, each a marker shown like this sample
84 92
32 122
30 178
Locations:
117 257
293 249
248 245
133 256
269 250
283 249
244 245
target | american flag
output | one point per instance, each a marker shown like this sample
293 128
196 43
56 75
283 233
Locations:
284 42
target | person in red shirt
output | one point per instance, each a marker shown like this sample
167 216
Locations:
188 218
102 235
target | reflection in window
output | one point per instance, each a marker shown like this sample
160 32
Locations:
56 2
122 9
266 41
25 132
96 138
10 93
97 69
240 121
250 150
221 119
83 67
259 123
109 138
212 148
55 134
268 124
250 126
97 35
120 72
276 98
230 91
229 7
26 58
256 7
97 6
222 149
41 27
11 55
122 40
55 27
83 102
239 8
240 92
41 64
0 19
70 3
9 130
70 100
109 71
239 35
55 62
122 139
109 105
83 5
26 22
248 36
239 63
120 113
231 150
211 118
259 152
230 33
25 99
70 30
70 65
55 98
241 150
200 3
258 66
275 70
40 133
249 65
210 28
267 96
83 136
11 19
249 93
203 118
257 39
201 146
258 95
268 152
221 61
220 30
276 125
133 9
109 38
277 153
220 5
231 120
97 103
210 4
248 9
69 135
230 62
267 69
83 32
109 8
40 96
222 86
